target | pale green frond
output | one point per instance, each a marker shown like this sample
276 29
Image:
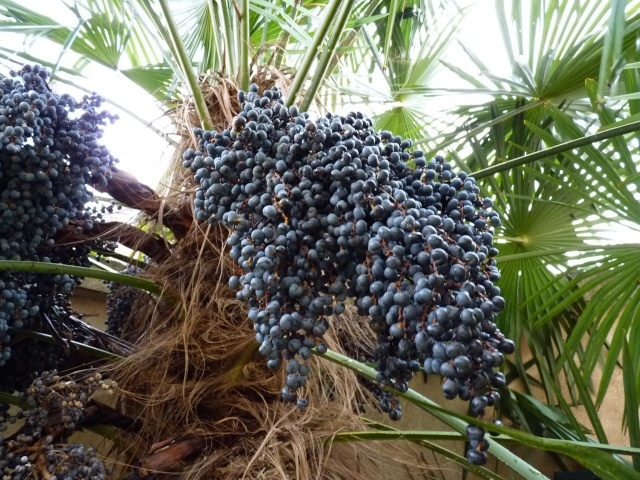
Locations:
103 39
545 67
416 37
106 29
612 46
203 38
17 14
158 80
26 28
401 120
540 418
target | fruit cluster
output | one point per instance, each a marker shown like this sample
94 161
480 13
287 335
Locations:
328 210
49 154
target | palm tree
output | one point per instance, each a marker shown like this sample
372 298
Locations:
562 310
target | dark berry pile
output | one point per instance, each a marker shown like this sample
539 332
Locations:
120 301
50 153
39 449
28 358
328 210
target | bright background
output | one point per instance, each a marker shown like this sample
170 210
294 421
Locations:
144 154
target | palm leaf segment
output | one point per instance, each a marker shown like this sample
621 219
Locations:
396 59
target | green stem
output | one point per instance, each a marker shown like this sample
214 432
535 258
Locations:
244 41
227 21
265 32
283 38
170 56
323 65
67 46
478 470
373 49
513 461
584 452
563 147
9 399
394 7
480 128
559 251
312 52
125 260
214 16
346 437
61 269
599 462
612 45
424 439
187 70
43 337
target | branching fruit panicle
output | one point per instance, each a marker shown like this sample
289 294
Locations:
326 210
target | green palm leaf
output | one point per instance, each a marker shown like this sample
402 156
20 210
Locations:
407 47
158 80
580 185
